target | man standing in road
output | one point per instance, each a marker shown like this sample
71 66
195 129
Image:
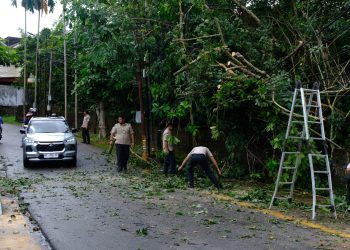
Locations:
124 138
85 128
168 149
199 156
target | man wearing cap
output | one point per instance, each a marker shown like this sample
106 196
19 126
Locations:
199 156
29 116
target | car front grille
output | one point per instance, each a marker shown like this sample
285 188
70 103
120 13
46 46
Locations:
50 147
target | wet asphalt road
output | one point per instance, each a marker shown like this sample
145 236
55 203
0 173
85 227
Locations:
92 207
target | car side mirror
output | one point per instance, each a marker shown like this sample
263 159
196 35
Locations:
74 130
22 131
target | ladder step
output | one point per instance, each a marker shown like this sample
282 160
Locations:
301 122
282 198
295 137
286 183
318 155
288 167
311 90
311 106
324 205
317 138
321 172
322 189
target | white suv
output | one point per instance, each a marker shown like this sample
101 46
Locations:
49 139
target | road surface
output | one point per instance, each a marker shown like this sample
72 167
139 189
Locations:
93 207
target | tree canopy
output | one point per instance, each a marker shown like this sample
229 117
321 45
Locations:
222 69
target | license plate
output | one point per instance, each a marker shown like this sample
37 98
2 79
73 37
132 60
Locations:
50 156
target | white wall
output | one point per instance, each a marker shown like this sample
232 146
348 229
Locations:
11 96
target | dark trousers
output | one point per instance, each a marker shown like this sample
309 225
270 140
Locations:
170 163
348 186
86 135
122 156
202 161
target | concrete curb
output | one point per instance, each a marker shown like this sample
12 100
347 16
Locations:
2 175
15 232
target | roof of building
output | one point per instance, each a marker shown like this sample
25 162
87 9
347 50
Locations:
10 71
12 41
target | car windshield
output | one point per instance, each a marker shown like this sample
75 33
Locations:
48 127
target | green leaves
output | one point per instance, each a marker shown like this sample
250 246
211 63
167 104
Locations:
7 55
142 232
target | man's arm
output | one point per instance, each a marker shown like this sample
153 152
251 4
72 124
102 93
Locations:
132 139
184 163
212 159
112 136
166 146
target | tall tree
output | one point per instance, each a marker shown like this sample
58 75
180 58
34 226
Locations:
32 5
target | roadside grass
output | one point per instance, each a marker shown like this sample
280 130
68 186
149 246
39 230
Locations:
101 143
10 119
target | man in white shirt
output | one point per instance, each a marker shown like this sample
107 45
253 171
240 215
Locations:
168 149
347 171
124 138
85 128
199 156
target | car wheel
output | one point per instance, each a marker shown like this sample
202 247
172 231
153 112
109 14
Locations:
73 163
26 163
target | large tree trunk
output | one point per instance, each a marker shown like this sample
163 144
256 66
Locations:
101 117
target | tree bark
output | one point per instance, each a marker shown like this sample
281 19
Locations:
101 117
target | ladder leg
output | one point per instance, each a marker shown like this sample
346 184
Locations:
291 115
305 114
297 164
313 186
331 196
277 180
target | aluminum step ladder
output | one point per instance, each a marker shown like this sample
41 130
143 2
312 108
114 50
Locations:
305 129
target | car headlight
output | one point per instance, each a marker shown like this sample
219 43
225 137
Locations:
70 139
28 140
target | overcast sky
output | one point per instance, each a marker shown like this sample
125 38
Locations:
12 19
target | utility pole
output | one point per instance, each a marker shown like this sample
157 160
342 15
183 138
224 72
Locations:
65 59
25 64
50 80
36 63
75 94
75 74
